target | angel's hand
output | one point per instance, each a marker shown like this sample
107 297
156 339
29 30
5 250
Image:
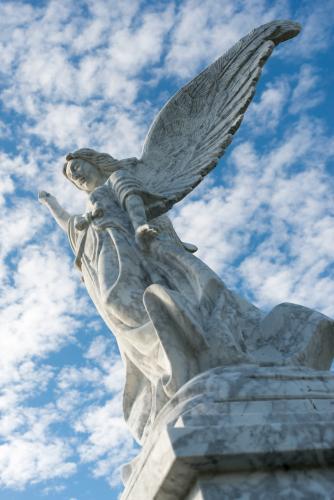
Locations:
45 198
81 222
60 215
144 235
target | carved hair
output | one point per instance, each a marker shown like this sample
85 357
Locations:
105 163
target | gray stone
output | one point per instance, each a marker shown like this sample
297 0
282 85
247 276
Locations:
293 484
171 315
226 403
242 432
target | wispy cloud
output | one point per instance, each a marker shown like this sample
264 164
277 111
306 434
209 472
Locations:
85 74
204 30
269 229
269 108
64 72
317 33
308 92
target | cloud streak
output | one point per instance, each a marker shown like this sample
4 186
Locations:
85 75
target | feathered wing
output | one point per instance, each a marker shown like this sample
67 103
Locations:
193 129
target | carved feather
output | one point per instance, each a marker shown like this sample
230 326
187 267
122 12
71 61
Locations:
194 128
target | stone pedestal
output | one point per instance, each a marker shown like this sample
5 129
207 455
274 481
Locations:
242 432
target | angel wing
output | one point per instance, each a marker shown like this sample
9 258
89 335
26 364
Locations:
193 129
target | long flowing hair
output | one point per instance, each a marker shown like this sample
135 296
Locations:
104 162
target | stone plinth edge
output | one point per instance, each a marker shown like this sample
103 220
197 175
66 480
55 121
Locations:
229 430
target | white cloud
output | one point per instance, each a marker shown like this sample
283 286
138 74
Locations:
109 444
308 92
267 111
31 453
12 167
36 310
317 23
77 75
21 224
25 461
54 77
56 488
284 198
204 30
132 49
106 443
18 382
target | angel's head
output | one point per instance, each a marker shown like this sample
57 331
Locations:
87 169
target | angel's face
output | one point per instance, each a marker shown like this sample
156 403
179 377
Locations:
84 174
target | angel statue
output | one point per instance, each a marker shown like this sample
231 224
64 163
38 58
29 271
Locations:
172 316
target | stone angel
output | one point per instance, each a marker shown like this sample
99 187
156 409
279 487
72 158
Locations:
186 139
171 315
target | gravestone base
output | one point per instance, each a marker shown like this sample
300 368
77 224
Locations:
281 484
242 432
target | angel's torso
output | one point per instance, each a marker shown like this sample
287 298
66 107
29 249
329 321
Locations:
103 199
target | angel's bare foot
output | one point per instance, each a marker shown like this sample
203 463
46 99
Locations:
145 234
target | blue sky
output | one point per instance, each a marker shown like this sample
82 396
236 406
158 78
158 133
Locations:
93 74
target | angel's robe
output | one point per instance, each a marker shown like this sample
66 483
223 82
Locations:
171 315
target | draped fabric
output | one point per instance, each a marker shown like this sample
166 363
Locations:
171 315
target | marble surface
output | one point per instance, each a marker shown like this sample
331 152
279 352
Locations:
171 315
297 484
241 423
212 386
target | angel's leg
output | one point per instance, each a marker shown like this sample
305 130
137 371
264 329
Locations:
136 210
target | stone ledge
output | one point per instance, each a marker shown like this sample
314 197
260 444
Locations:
181 455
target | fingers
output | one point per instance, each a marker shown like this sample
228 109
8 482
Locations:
43 196
81 223
146 230
144 236
151 232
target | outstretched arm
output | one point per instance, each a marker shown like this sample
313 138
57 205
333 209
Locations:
60 215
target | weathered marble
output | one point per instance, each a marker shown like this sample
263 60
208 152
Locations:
171 315
227 403
242 431
293 484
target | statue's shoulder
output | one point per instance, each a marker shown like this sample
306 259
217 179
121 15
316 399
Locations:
102 194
